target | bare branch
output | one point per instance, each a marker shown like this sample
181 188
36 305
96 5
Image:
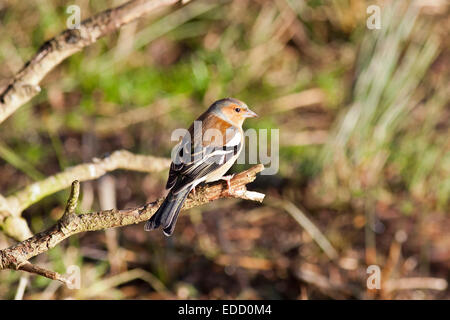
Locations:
31 268
25 83
16 256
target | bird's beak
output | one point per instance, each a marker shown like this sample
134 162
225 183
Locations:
250 114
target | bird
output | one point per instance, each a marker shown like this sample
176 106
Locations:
207 151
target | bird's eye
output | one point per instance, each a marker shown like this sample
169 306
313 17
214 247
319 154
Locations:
237 109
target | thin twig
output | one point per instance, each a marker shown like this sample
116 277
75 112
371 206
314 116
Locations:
31 268
309 227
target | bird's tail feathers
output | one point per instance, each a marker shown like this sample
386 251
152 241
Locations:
167 214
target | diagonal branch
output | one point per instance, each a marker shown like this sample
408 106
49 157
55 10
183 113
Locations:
31 268
71 223
25 83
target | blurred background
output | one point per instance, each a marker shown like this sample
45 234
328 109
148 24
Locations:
364 175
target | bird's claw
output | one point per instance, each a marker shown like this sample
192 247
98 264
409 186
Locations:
228 179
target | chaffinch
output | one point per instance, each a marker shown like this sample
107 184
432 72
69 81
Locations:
215 149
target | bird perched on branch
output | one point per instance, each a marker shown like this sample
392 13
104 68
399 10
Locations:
206 152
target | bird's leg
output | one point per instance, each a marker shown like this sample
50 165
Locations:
227 179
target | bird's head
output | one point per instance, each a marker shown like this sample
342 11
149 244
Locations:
232 110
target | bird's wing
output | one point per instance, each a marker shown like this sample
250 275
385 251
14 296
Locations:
193 164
